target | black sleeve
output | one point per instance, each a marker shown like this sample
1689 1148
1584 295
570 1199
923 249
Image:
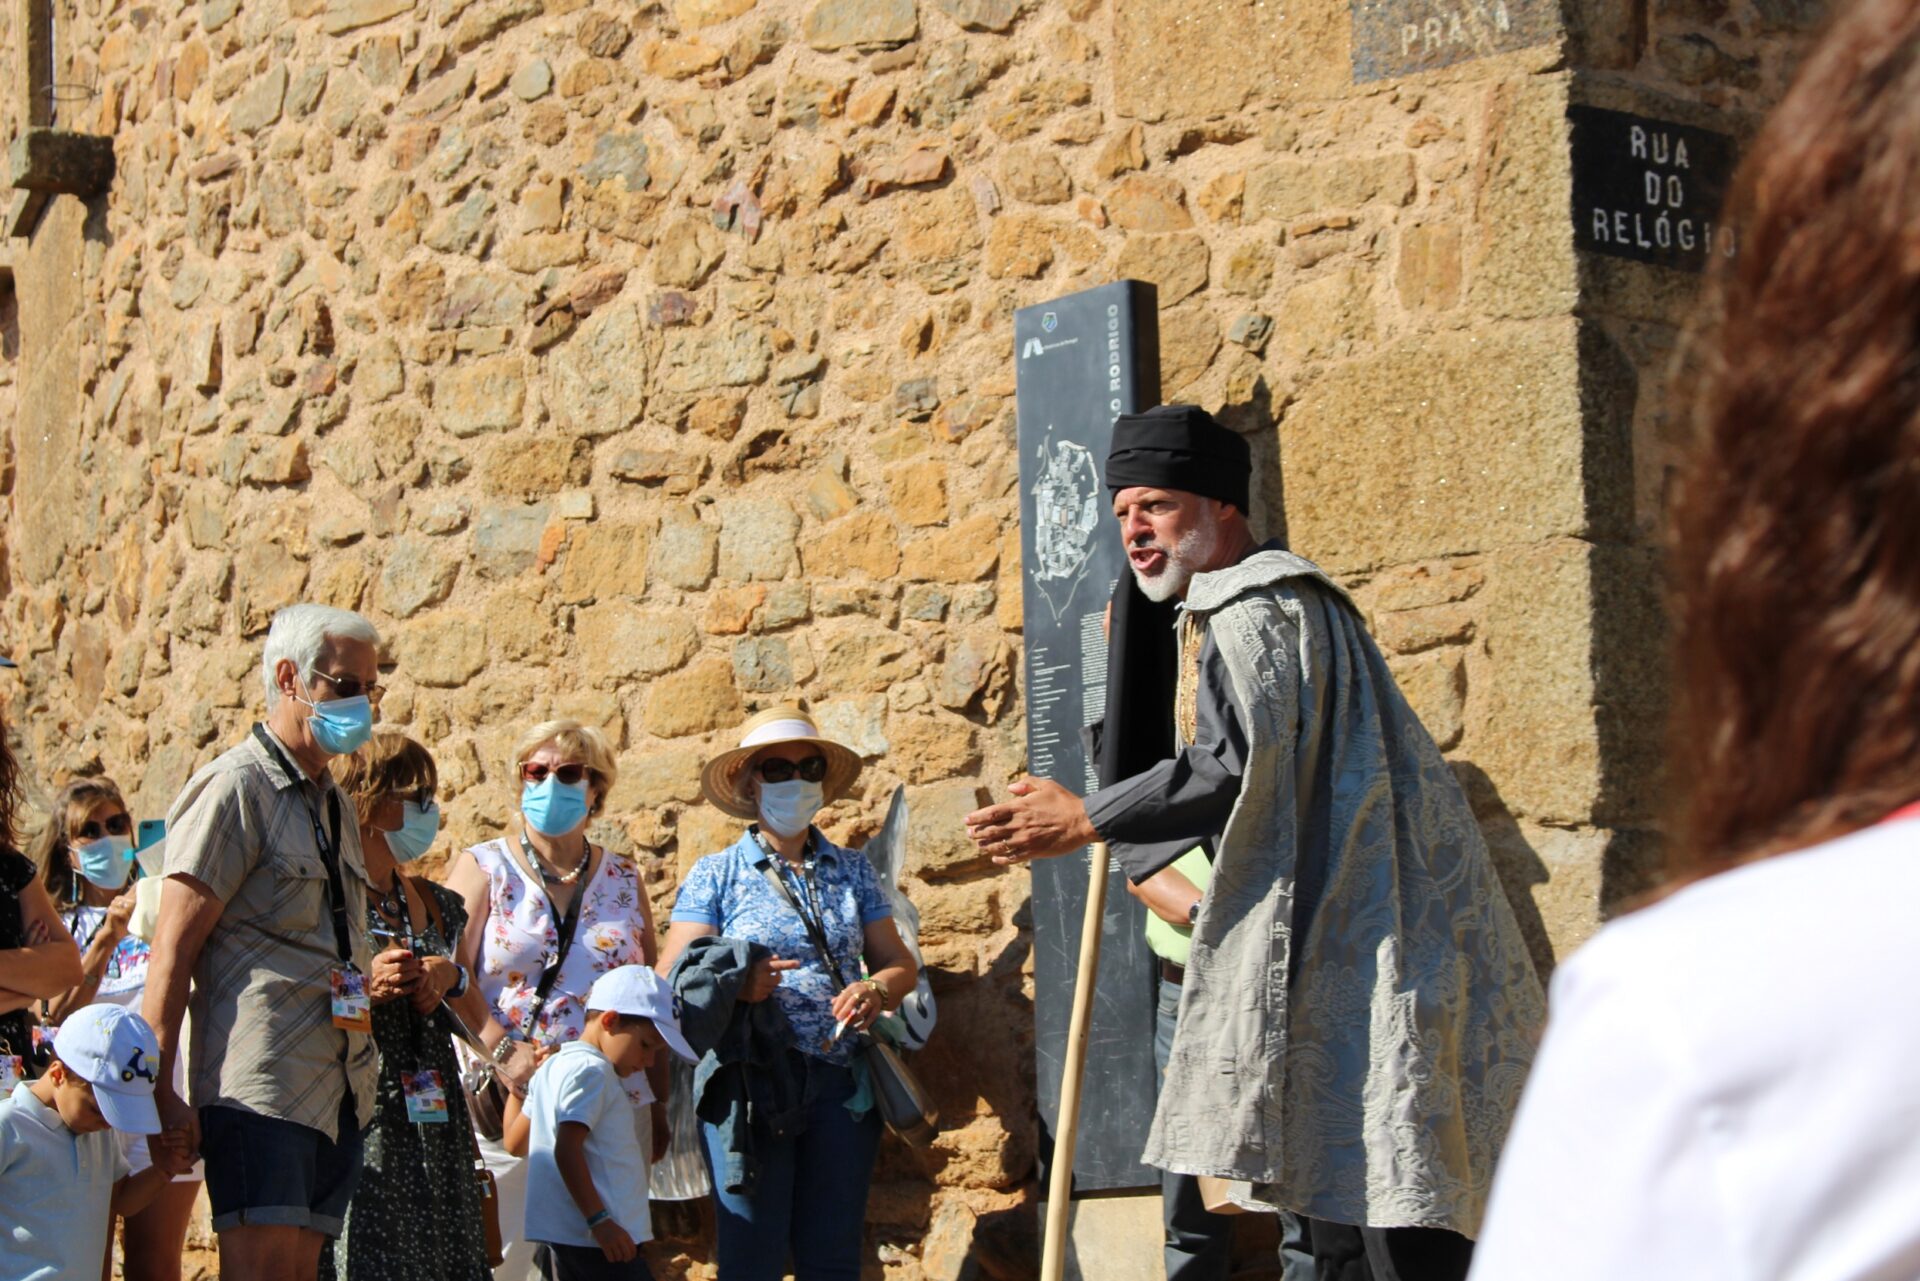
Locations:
1152 818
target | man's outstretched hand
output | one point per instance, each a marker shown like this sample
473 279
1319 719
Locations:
1042 820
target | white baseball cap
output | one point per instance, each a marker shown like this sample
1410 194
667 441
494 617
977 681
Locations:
113 1050
637 990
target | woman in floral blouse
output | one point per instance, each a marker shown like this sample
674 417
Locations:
518 892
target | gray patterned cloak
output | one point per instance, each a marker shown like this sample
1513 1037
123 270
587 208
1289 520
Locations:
1377 1087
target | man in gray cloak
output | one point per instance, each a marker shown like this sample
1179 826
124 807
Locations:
1359 1009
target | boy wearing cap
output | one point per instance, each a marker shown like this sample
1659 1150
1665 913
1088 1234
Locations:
587 1163
62 1174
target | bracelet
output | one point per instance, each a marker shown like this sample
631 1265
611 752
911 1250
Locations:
502 1048
879 990
459 988
598 1217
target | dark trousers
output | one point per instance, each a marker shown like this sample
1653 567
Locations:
1342 1252
1199 1243
586 1263
811 1198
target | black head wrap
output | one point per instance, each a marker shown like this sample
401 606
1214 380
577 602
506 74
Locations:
1180 447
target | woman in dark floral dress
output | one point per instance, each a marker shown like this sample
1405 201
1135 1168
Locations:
417 1213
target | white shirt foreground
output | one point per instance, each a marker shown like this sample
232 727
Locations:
1729 1089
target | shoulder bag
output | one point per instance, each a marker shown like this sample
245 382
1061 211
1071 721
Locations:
902 1101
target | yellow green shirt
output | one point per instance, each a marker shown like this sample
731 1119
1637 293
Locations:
1169 941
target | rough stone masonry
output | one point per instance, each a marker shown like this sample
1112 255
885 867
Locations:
650 362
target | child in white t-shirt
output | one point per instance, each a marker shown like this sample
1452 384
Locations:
62 1174
586 1162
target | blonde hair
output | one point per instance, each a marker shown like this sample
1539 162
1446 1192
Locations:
577 742
391 764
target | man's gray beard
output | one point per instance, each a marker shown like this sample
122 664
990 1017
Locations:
1195 548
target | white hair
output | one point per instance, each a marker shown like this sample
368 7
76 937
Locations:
300 632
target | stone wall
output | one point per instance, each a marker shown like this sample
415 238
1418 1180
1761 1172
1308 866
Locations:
650 363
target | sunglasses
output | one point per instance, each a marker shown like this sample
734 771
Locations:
421 796
569 774
92 830
349 687
779 770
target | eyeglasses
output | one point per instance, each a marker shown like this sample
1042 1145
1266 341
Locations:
118 825
777 769
348 687
569 774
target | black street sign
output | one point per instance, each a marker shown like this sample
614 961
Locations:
1649 190
1081 361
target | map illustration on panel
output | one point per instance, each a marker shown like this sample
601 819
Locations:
1066 502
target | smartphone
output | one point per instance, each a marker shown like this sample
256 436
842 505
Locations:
150 830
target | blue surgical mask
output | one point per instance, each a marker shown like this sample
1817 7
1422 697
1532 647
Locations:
788 808
105 862
341 725
417 830
553 808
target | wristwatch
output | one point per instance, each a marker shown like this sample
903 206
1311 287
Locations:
1193 913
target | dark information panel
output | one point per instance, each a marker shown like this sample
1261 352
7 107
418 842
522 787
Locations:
1649 190
1400 37
1081 361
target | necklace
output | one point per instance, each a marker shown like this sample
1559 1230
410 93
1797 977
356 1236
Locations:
533 861
393 901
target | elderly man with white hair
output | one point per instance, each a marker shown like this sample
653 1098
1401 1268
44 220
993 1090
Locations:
262 934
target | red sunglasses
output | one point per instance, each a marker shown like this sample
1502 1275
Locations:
569 774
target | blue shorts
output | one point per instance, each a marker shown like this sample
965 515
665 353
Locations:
266 1172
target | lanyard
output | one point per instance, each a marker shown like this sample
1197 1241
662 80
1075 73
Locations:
811 919
329 849
563 931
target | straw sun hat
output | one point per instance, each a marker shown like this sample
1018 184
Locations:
725 779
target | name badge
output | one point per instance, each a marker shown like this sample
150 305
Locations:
426 1097
13 1070
352 1007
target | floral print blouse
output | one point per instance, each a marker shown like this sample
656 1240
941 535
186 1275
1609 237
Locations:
522 936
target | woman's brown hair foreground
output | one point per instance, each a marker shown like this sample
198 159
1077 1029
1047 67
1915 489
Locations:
391 764
1796 566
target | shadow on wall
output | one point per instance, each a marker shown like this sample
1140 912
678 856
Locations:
1515 861
9 335
1256 420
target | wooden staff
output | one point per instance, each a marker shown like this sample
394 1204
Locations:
1053 1258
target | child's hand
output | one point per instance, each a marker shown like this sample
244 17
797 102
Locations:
614 1242
172 1150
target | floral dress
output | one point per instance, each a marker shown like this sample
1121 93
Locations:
522 937
16 873
416 1214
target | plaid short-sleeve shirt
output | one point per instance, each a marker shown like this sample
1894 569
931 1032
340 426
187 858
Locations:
263 1038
